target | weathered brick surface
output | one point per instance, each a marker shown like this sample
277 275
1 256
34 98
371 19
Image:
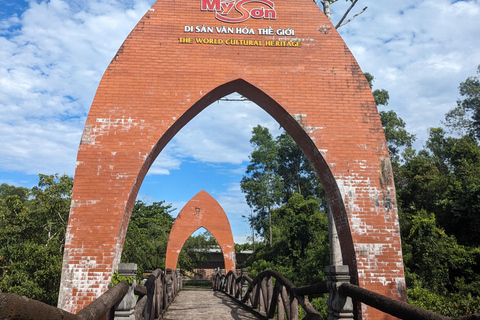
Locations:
155 85
201 211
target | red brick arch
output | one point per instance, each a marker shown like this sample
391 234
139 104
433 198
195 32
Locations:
201 211
158 81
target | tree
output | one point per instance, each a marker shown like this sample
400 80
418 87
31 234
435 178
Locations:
465 118
459 164
261 185
196 251
326 4
396 135
441 275
296 171
32 233
398 138
8 190
437 192
147 235
300 250
444 178
381 95
278 169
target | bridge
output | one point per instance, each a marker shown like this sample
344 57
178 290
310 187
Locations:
268 296
158 81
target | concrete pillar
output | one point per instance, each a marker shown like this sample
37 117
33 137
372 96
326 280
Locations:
339 307
126 307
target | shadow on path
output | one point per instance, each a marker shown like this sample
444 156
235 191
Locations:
206 305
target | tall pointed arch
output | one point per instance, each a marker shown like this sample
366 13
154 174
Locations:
201 211
164 75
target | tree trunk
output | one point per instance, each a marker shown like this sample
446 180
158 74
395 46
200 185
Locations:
326 9
270 225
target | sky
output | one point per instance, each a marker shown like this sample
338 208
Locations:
53 54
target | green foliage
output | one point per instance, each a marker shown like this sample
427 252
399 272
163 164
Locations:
261 185
205 284
439 201
300 250
465 118
243 247
433 259
195 251
116 278
398 138
278 169
438 196
450 305
32 232
320 304
381 95
445 179
395 133
295 170
8 190
147 235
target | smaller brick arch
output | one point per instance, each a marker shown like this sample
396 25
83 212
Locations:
201 211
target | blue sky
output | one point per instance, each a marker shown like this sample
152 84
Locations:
53 54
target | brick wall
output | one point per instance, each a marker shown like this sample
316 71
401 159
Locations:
158 81
201 211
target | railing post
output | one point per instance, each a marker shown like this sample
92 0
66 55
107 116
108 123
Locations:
158 296
125 308
244 282
169 282
179 280
174 283
224 280
339 306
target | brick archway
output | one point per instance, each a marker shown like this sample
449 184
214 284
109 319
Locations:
201 211
158 81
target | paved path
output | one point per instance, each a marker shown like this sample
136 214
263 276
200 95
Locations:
205 305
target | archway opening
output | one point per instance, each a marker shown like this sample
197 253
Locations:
200 255
143 101
209 110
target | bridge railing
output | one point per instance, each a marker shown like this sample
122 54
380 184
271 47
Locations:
22 308
272 295
159 291
120 301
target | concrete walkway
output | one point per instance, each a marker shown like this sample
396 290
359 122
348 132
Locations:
205 305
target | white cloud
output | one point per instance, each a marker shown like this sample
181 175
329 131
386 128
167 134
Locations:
54 54
50 66
220 133
164 163
419 52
